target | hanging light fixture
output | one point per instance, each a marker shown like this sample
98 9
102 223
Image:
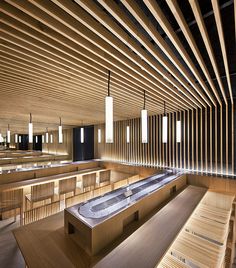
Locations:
164 125
144 120
127 134
36 139
1 138
19 139
43 139
178 130
109 114
30 130
51 138
82 134
60 136
99 135
8 134
46 135
16 138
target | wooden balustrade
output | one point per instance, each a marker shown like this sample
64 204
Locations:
39 213
11 200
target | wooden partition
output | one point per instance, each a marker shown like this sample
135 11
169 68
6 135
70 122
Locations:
64 148
207 142
215 183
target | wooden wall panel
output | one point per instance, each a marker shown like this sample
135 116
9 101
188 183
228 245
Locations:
202 138
57 148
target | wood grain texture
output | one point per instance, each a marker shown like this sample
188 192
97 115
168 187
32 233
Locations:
146 246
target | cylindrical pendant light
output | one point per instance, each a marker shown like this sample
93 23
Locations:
51 138
60 136
1 138
99 135
30 130
8 134
82 135
19 139
178 130
164 125
36 139
144 118
127 134
109 114
43 139
16 138
46 135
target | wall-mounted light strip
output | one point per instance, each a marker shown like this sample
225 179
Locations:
127 134
60 135
43 139
36 139
8 134
109 114
82 135
144 124
99 135
30 130
164 125
16 138
1 138
19 139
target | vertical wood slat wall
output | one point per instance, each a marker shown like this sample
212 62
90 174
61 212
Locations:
207 144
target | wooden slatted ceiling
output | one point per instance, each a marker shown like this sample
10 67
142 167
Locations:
55 55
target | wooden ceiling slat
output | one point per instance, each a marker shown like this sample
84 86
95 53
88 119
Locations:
103 56
162 20
218 20
40 53
120 16
173 5
56 54
112 8
201 25
80 15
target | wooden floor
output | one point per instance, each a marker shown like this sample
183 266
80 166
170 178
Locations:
10 255
44 243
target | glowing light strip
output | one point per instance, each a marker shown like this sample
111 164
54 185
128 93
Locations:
51 138
178 131
60 136
99 135
164 129
109 119
82 135
127 134
144 126
16 138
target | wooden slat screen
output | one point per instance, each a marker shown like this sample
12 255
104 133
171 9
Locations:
207 141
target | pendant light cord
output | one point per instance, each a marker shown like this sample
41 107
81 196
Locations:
164 108
108 85
144 100
30 118
60 120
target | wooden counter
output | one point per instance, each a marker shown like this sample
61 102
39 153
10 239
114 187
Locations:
146 246
15 177
44 244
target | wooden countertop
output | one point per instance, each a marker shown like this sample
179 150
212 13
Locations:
20 184
146 246
44 244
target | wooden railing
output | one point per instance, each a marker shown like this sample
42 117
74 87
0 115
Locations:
39 213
